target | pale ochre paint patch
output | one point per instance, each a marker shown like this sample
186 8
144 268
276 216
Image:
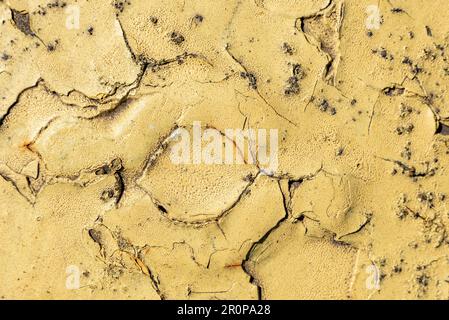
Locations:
93 207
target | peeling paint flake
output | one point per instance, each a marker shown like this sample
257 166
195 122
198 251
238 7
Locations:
226 149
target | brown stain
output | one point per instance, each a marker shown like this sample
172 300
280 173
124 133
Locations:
28 146
236 265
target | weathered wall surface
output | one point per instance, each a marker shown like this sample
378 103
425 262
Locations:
96 98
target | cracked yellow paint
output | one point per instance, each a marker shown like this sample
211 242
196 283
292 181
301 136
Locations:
93 95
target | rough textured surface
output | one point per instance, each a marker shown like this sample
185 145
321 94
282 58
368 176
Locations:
93 94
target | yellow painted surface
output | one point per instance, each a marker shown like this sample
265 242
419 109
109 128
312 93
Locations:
95 95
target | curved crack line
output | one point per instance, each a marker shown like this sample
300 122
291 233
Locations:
11 107
207 221
286 201
15 179
136 257
254 86
247 258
